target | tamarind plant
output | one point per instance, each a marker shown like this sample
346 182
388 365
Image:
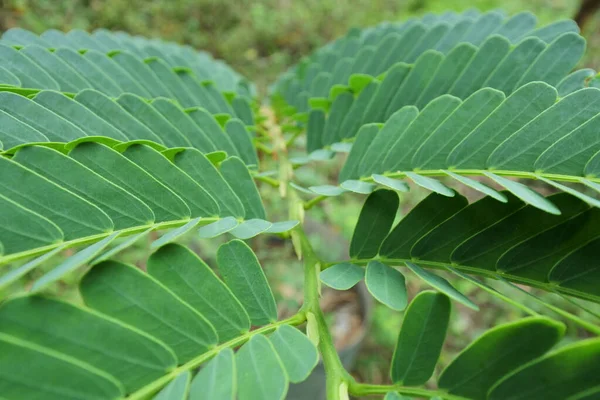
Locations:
107 137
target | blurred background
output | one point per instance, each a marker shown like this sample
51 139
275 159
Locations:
260 39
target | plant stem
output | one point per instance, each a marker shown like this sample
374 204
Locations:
334 370
153 387
362 389
312 202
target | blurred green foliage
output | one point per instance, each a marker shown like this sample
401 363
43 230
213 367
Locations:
258 38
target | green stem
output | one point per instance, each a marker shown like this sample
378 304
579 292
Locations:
334 370
153 387
268 180
362 389
312 202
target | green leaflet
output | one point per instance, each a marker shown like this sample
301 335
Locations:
527 259
174 234
421 339
441 284
184 124
572 370
497 353
485 60
448 72
67 78
177 389
78 114
482 250
96 78
576 80
510 71
124 209
114 167
72 263
416 81
236 174
8 78
524 193
29 73
386 284
386 90
518 109
217 380
46 198
430 184
342 276
353 163
109 110
339 110
136 67
557 60
180 270
261 374
434 150
243 274
354 118
17 273
520 151
374 222
85 336
15 237
439 243
121 77
242 140
217 228
201 170
197 198
57 376
44 121
127 294
517 25
297 353
383 141
153 120
250 228
425 216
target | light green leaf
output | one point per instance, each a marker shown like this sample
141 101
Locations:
261 374
217 380
529 196
375 220
181 271
177 389
243 274
559 375
133 297
421 339
56 375
357 186
342 276
72 263
87 336
497 353
250 228
217 228
386 284
430 184
297 353
391 183
442 285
